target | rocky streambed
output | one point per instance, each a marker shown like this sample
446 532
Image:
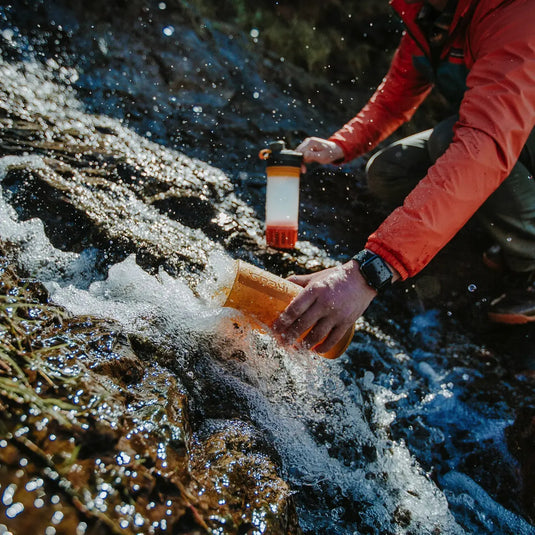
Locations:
132 403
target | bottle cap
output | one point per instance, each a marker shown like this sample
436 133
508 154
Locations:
278 154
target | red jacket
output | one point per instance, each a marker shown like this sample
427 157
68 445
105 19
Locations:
496 115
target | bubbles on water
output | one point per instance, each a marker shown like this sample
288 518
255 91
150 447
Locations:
472 288
219 277
14 510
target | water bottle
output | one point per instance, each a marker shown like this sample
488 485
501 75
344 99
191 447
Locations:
283 169
262 296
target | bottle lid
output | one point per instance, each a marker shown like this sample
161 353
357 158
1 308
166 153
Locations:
278 154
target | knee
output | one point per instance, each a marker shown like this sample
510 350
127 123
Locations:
376 178
441 138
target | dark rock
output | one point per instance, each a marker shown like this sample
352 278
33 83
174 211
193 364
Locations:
521 439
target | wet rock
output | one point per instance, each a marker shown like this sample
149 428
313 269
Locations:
95 100
95 440
221 468
521 438
118 360
95 183
198 79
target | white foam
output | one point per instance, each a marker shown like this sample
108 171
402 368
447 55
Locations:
287 394
465 492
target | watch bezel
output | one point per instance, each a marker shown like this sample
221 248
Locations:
374 270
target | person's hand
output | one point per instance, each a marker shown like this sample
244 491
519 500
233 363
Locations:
320 150
331 302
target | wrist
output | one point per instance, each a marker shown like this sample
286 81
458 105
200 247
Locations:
361 285
377 273
338 154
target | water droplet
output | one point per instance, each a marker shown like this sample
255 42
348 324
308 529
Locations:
162 5
254 33
7 498
168 31
57 517
14 510
472 287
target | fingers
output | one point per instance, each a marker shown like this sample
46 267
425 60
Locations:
330 303
284 324
304 145
315 150
333 337
320 331
320 150
308 321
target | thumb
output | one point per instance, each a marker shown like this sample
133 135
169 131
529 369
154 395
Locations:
301 280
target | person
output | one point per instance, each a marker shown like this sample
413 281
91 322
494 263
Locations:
481 55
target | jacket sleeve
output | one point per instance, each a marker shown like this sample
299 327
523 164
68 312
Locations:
496 116
393 103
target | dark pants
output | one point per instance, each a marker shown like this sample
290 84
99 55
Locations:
508 214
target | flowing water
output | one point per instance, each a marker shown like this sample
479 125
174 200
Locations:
390 438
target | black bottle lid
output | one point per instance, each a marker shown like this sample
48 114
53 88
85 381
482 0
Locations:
278 154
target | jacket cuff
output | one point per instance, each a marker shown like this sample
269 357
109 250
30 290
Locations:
347 158
389 257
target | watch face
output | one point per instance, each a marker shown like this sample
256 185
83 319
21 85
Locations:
376 272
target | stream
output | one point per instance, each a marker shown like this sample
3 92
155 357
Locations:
406 433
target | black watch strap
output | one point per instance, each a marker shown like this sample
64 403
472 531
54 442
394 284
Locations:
374 269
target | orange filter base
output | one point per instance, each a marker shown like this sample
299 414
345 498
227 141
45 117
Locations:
281 237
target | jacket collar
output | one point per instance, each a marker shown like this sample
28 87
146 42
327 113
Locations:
408 13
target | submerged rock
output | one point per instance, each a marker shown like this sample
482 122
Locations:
521 437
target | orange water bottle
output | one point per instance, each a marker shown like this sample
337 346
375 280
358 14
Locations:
283 169
262 296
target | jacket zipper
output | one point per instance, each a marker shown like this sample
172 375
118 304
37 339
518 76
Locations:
423 47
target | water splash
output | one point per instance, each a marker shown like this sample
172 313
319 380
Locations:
330 424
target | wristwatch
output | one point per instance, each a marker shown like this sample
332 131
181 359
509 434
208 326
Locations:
374 269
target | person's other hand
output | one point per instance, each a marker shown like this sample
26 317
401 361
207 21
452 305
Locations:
331 302
320 150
